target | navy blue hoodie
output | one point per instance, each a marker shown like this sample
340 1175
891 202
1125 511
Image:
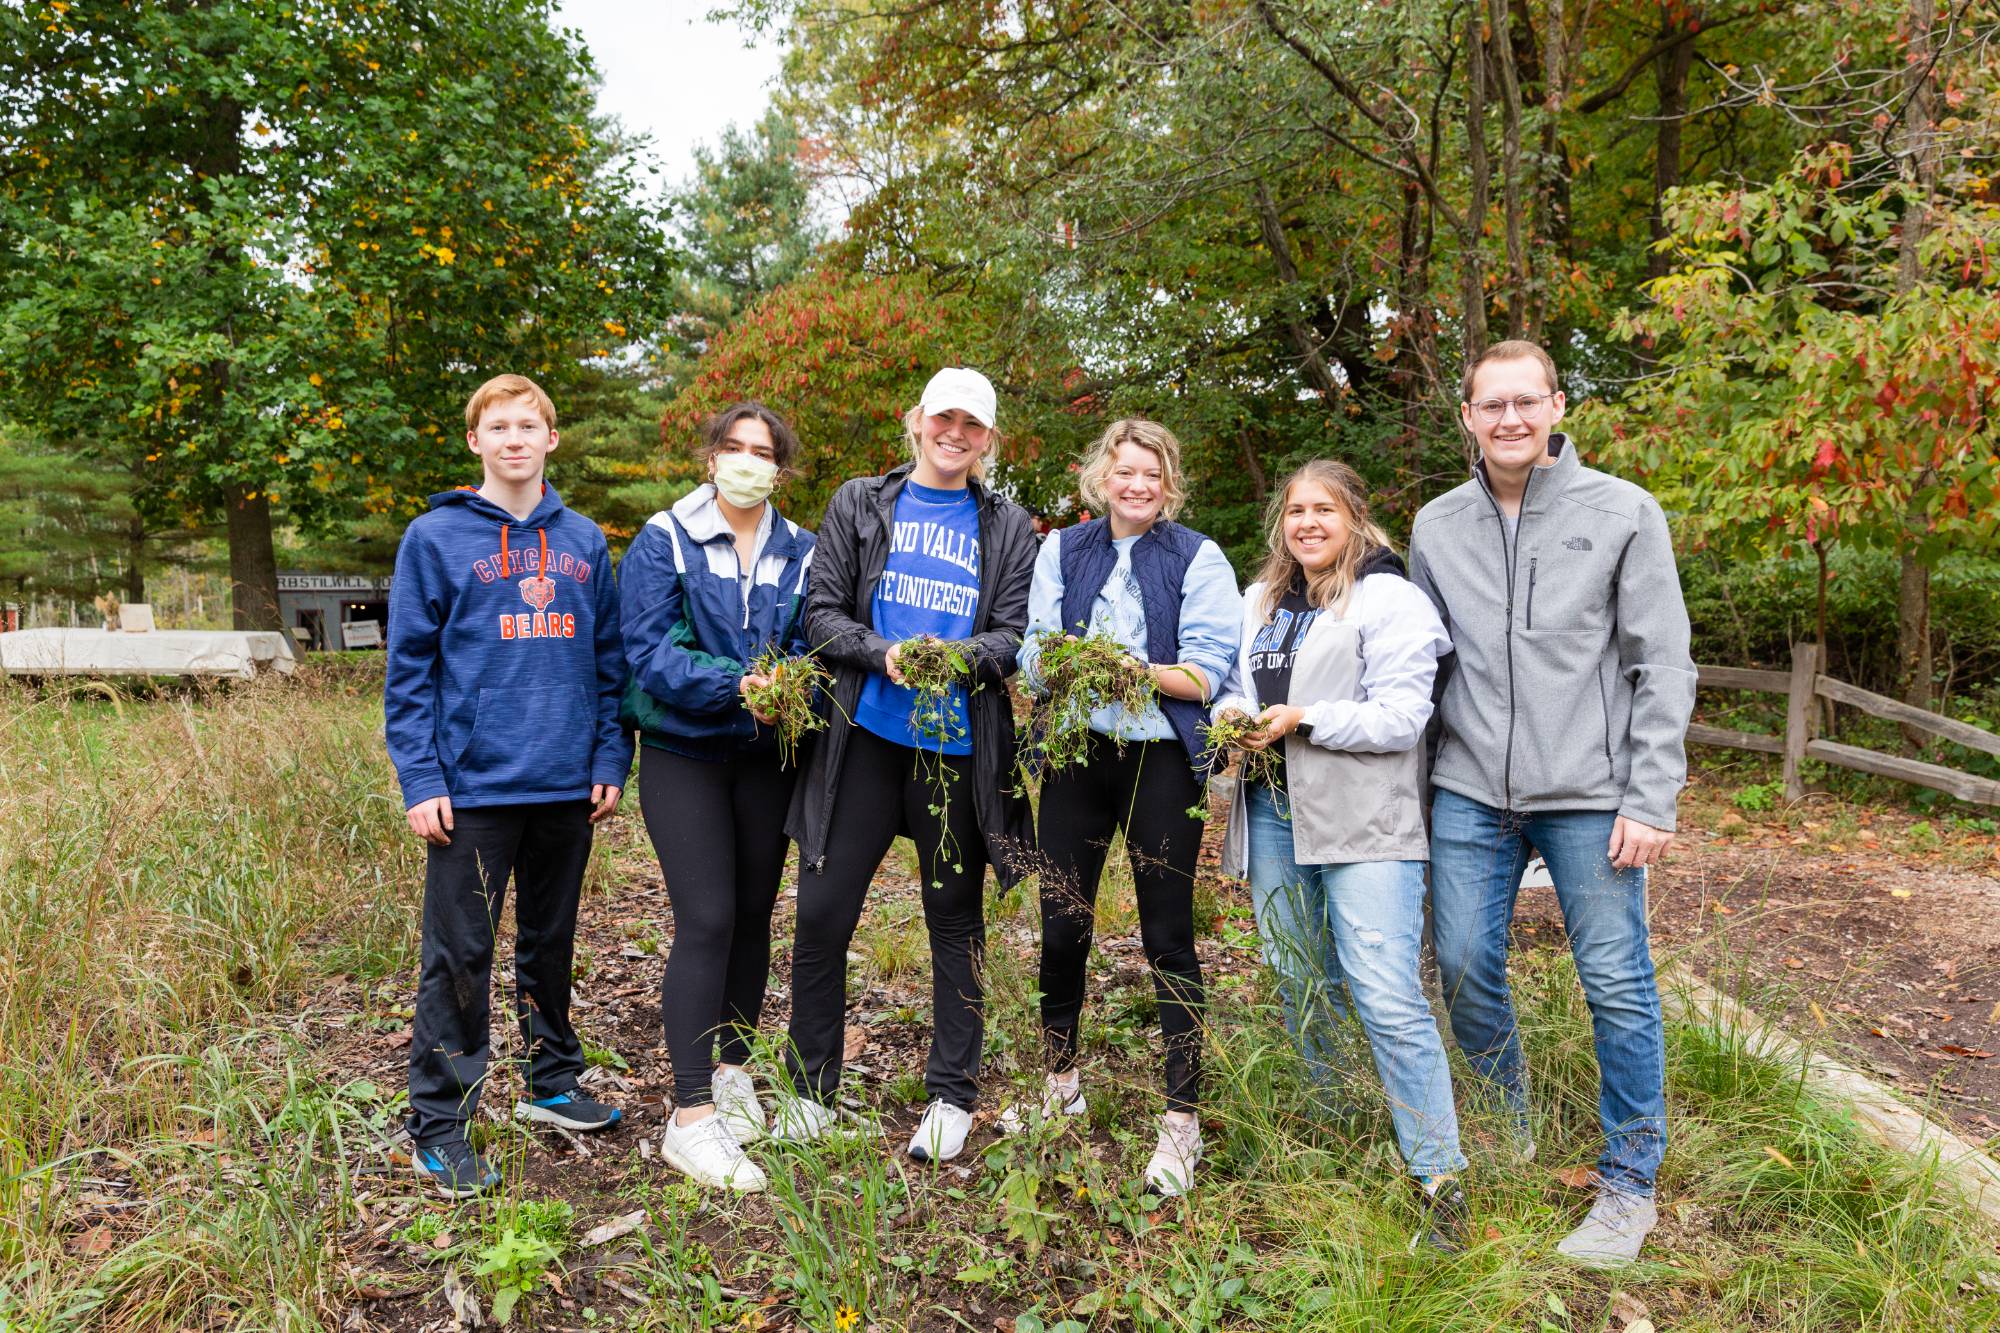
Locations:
505 662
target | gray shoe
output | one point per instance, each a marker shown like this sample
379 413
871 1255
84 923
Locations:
1613 1231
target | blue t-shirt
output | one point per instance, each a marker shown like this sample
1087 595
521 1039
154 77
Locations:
930 585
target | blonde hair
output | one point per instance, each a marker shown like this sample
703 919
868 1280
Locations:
913 425
1094 468
507 386
1326 588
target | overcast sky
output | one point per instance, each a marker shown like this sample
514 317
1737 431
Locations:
670 73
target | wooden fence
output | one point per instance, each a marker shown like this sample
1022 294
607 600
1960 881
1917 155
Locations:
1803 686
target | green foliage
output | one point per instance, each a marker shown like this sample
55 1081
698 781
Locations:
512 1265
1805 394
260 252
1758 797
932 668
1079 676
70 528
1226 733
791 697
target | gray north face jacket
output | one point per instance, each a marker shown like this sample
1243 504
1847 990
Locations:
1571 685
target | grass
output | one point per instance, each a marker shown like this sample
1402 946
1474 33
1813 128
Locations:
185 881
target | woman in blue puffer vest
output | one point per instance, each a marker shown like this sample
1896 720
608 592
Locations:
706 587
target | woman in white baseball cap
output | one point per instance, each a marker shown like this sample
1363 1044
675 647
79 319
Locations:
926 551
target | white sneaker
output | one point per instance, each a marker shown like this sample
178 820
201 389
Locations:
735 1098
1170 1171
941 1133
1059 1098
710 1154
800 1120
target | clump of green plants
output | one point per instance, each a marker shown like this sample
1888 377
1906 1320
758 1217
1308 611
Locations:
1757 797
1228 732
930 668
788 698
522 1244
1082 675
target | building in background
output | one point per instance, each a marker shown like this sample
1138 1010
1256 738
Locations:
325 605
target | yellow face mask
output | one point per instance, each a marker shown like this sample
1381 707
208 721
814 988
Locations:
744 479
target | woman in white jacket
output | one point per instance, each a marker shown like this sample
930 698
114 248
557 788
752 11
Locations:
1338 654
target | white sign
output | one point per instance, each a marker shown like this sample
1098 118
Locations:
361 634
331 583
136 617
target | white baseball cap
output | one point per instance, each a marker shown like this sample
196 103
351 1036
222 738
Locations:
962 388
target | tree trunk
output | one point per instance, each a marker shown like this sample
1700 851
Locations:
135 560
1550 224
1416 342
253 562
1670 74
1918 151
1519 280
1472 274
1318 374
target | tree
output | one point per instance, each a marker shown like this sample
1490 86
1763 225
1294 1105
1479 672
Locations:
263 249
1815 385
746 228
69 529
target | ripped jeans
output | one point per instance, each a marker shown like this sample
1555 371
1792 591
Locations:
1354 932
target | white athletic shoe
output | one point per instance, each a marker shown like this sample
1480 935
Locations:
1059 1098
800 1120
710 1154
735 1098
1170 1170
941 1133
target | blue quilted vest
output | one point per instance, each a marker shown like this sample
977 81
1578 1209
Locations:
1160 561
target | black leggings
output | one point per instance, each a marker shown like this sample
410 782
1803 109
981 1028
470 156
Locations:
885 789
718 829
1146 789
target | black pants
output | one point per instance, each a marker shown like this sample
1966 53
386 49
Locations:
886 789
719 831
544 849
1147 790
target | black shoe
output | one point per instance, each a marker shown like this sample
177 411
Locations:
452 1166
571 1110
1447 1224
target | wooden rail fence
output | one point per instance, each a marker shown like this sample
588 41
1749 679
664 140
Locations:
1802 687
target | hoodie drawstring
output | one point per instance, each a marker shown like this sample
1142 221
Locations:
542 569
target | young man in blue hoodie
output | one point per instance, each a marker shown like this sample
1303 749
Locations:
504 678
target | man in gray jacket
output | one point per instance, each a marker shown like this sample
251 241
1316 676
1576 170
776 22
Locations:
1562 723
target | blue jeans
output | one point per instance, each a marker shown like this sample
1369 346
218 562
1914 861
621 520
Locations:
1335 933
1477 857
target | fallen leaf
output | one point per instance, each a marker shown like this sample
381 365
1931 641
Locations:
1626 1308
616 1227
1795 963
94 1241
1965 1051
857 1042
1722 909
1994 1017
444 1240
1949 967
1576 1177
1639 1326
1778 1157
1899 893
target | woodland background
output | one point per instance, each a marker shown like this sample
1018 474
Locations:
259 251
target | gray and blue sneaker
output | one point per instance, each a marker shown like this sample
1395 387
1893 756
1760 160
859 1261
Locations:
571 1110
1447 1218
454 1168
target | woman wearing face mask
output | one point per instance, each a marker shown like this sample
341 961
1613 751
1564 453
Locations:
1166 594
1337 657
926 550
705 588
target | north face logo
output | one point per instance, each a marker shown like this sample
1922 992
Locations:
538 592
1578 544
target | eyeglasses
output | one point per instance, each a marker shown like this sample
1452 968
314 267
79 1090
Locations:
1529 406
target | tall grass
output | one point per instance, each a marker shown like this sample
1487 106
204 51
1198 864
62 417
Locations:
176 874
